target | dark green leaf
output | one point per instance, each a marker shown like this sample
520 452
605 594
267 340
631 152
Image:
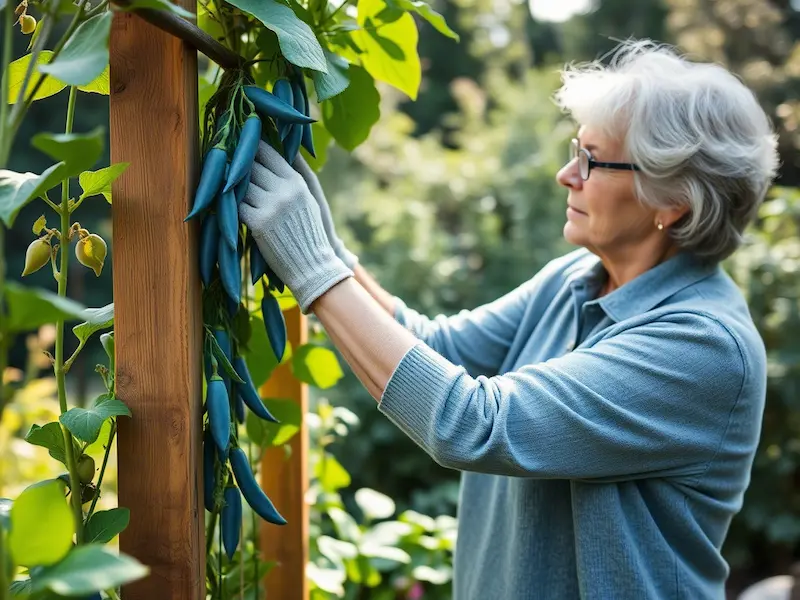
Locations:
159 5
316 365
85 55
265 433
298 43
78 151
104 525
335 81
87 569
96 320
349 117
85 423
222 360
17 189
50 436
260 358
29 308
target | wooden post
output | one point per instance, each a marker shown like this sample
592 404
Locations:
285 480
158 320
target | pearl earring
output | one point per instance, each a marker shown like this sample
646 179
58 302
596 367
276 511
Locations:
660 226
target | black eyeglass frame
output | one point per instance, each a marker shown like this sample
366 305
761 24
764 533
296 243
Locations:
576 149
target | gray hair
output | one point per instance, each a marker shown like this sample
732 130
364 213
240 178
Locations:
697 133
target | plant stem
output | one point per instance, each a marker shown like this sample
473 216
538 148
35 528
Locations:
75 484
212 523
7 50
111 435
112 594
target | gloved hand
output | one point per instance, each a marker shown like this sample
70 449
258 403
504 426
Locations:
286 224
308 175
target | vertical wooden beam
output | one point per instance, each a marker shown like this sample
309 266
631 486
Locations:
158 320
285 480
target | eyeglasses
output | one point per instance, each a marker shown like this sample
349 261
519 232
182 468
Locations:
586 163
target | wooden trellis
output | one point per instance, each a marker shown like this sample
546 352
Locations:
158 331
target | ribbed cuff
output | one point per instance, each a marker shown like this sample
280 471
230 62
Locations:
308 263
418 390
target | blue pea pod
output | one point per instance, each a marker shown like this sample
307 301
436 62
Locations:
251 491
291 145
270 105
209 474
240 191
219 414
248 392
209 242
228 217
283 91
211 179
258 266
231 520
275 324
274 280
230 271
245 152
307 139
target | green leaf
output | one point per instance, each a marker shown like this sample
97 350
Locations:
42 525
39 225
16 77
100 85
328 580
260 358
78 151
322 139
424 10
88 569
85 424
298 43
99 182
374 505
85 55
96 320
29 308
331 474
349 117
158 5
390 49
50 436
18 189
346 527
266 434
337 551
316 365
105 525
335 81
222 361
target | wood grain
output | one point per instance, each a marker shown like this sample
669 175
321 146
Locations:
158 321
285 480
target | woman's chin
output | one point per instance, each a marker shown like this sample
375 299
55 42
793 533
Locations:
573 234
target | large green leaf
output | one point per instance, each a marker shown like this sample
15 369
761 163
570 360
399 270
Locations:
100 85
16 77
17 189
390 49
96 320
298 43
78 151
158 5
265 433
331 474
51 437
88 569
85 423
316 365
349 117
29 307
42 525
85 55
105 525
99 182
424 10
335 81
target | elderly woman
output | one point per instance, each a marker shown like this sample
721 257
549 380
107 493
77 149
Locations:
605 413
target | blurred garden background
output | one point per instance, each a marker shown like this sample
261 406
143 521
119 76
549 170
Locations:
452 202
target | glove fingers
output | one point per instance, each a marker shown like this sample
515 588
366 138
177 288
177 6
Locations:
264 178
272 160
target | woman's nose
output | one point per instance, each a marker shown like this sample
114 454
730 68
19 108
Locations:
569 175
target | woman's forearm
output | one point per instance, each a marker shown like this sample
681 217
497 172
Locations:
368 282
370 340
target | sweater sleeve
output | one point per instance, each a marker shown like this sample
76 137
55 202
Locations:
654 400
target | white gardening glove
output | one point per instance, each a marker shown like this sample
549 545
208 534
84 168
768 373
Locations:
301 166
285 222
